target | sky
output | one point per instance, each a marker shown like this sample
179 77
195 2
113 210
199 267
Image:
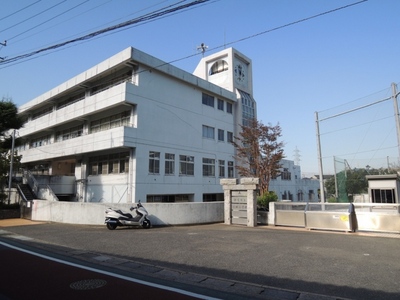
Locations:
310 58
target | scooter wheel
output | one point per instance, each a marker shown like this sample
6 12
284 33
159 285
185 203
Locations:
146 224
111 226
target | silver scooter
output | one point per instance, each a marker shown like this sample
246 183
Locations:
116 217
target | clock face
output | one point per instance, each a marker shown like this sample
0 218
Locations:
240 73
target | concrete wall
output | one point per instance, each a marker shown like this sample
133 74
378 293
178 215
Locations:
159 213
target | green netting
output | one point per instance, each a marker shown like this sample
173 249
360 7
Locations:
340 179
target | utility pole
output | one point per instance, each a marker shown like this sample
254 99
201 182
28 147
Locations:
11 167
396 114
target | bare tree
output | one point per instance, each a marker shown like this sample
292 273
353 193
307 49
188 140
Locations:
259 152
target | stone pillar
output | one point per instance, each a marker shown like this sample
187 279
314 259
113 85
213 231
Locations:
228 185
243 185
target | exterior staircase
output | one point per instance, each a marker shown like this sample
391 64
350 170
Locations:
26 192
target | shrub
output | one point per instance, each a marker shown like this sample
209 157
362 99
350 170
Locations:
264 200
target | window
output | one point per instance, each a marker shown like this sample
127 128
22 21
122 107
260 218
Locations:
229 137
41 141
95 126
208 167
248 107
231 173
221 134
208 100
154 162
113 164
70 133
220 104
117 120
208 132
111 81
169 198
310 195
221 168
43 112
186 165
218 67
383 196
229 108
169 164
71 100
213 197
103 164
286 175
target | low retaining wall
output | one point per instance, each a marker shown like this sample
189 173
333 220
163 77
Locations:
94 213
9 213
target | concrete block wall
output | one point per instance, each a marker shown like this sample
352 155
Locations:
159 213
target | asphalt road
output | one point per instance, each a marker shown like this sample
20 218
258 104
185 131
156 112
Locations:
29 276
285 262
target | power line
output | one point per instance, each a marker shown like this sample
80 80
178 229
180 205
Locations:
48 20
19 10
144 18
27 19
90 9
152 16
295 22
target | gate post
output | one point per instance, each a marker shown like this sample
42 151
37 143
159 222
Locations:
240 201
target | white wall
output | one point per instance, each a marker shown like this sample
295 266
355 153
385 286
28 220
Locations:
159 213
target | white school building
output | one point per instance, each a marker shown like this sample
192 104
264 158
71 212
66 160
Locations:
136 128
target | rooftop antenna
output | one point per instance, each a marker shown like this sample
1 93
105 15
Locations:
202 48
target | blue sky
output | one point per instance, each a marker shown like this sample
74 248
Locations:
329 64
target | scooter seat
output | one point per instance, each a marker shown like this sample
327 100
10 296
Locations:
128 215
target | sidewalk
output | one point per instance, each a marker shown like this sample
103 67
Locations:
18 222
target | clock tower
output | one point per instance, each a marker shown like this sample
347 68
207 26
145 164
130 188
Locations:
229 69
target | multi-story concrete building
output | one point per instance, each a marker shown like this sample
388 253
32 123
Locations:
136 128
291 186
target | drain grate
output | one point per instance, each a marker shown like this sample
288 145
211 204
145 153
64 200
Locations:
88 284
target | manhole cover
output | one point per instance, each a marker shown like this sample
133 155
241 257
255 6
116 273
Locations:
88 284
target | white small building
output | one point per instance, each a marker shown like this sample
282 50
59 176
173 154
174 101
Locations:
290 186
136 128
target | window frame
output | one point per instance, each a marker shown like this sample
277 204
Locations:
208 132
208 100
186 165
208 167
169 163
154 162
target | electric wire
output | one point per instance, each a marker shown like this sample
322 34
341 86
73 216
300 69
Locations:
19 10
27 19
146 17
149 17
44 22
84 12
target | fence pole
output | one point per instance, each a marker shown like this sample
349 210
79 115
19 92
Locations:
321 172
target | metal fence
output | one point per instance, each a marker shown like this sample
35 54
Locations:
347 217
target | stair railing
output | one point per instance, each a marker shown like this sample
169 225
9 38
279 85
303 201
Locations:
22 193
